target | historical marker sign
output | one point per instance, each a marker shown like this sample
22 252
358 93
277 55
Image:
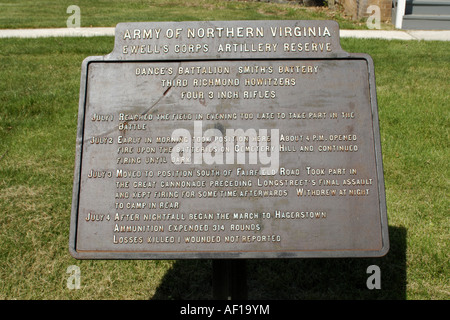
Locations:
238 139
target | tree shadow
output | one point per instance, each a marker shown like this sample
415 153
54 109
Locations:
298 279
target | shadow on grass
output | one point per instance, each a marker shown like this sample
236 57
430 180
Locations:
298 279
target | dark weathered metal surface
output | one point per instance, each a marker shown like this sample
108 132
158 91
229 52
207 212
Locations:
151 183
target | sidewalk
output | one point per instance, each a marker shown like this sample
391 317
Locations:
440 35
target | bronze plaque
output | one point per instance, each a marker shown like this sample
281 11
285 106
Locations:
238 139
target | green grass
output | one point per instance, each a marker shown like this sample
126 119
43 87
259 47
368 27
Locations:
16 14
39 91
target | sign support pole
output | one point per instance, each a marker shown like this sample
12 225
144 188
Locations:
229 279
